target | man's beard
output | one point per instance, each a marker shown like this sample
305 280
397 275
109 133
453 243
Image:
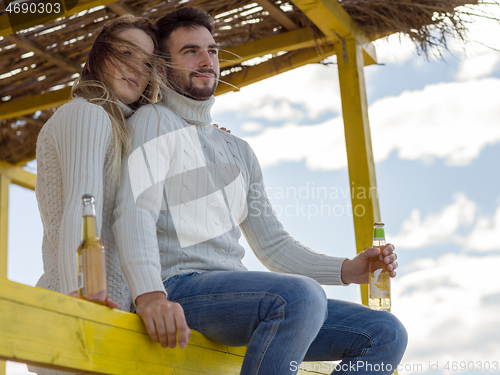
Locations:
187 88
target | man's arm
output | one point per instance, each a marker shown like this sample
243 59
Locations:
138 205
280 252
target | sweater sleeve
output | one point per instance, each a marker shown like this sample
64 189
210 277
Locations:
138 204
274 246
81 136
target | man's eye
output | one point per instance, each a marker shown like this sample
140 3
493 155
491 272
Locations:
213 51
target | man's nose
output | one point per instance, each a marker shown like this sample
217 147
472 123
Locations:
205 60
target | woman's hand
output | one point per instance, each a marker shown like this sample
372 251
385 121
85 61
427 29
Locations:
110 303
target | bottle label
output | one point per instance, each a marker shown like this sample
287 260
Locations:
380 284
378 234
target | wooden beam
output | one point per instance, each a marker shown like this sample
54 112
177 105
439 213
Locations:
360 161
121 8
39 50
31 104
281 64
17 175
46 328
277 14
288 41
337 25
6 27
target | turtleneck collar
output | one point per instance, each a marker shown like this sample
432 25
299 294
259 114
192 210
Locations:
126 110
194 112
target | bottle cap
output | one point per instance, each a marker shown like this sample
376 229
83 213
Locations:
86 197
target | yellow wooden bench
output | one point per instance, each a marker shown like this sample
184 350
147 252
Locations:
50 329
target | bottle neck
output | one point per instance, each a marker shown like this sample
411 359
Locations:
89 228
378 236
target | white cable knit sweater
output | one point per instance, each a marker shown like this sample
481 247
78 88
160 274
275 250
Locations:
73 154
189 188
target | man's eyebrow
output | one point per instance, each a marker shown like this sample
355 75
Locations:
196 46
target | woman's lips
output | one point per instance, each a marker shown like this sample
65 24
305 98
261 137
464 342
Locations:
134 81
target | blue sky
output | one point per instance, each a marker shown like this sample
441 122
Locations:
436 140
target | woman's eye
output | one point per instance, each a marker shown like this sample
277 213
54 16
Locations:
127 53
148 65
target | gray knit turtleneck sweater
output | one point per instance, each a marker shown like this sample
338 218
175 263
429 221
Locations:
190 189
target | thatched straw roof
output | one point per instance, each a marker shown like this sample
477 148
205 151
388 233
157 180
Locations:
43 59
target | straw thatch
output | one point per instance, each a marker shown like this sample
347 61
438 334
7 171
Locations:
23 74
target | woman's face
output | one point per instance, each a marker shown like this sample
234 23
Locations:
128 84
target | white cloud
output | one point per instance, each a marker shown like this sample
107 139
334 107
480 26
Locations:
442 226
453 121
314 86
448 120
251 126
481 56
450 308
396 48
321 146
486 234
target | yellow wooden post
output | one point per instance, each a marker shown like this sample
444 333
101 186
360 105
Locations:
4 222
4 228
359 146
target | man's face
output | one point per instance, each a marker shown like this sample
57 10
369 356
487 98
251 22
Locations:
195 62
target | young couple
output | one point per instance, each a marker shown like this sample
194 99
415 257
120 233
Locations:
172 220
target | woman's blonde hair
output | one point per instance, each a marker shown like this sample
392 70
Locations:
92 83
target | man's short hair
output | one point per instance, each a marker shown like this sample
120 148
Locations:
187 17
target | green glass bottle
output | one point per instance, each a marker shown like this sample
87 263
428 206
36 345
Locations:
379 281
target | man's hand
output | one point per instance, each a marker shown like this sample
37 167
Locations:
164 320
356 270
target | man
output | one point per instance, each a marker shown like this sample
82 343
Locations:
188 190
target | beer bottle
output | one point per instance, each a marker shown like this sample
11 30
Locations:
92 283
379 281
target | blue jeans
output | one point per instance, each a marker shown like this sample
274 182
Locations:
286 319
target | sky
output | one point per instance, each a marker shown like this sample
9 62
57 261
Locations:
435 126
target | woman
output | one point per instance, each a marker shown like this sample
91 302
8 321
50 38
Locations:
79 151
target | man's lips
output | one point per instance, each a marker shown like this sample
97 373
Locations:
205 76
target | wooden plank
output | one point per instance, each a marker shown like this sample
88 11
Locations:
277 14
336 24
289 41
17 175
42 327
121 8
281 64
39 50
31 104
360 161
